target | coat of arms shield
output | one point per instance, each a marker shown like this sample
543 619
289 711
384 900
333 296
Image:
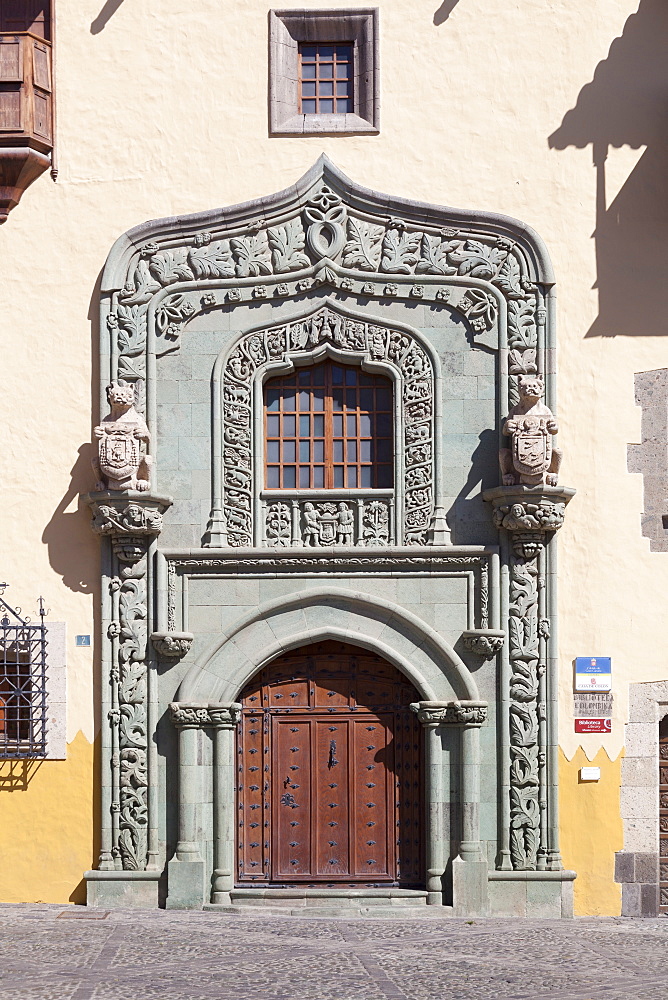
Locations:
119 453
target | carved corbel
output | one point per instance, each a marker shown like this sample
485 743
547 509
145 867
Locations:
194 716
458 713
529 513
130 521
485 642
172 645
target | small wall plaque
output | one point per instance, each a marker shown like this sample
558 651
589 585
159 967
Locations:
82 640
592 704
593 725
593 673
590 774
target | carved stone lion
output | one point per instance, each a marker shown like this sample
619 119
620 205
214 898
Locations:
531 459
122 462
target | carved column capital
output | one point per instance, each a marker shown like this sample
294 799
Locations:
129 520
439 713
193 716
529 513
172 645
225 716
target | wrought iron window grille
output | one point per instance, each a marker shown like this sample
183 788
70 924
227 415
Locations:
23 666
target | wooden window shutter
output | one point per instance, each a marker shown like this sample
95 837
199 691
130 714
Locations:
11 60
41 66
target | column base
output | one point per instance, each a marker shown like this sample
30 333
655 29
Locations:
470 893
531 894
122 890
185 885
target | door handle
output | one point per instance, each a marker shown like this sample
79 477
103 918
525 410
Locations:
332 755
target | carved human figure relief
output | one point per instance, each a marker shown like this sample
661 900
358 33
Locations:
122 462
344 528
311 532
531 459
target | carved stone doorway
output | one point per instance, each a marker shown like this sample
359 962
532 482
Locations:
330 766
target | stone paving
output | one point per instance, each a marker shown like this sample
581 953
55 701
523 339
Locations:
52 953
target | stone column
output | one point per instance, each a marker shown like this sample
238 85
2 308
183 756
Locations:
185 872
436 810
528 516
469 847
224 719
128 524
469 882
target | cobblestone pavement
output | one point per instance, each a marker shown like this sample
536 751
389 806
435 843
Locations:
51 953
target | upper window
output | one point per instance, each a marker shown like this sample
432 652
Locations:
325 79
323 71
328 427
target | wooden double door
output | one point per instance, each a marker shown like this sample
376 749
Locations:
330 772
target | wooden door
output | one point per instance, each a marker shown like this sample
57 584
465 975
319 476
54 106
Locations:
330 772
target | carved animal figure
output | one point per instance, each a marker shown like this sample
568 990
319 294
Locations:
531 459
122 463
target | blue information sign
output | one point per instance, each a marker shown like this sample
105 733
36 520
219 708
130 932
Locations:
593 673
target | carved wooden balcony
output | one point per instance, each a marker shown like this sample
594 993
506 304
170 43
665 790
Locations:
26 102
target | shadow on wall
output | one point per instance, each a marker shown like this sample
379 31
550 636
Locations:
107 12
444 11
16 775
73 548
625 105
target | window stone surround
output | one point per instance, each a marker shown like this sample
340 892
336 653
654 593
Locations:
637 865
287 29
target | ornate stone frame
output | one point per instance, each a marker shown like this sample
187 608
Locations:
325 330
325 232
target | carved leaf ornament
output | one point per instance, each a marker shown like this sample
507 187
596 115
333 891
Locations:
326 229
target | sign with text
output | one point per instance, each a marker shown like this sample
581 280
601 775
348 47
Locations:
593 725
592 704
593 673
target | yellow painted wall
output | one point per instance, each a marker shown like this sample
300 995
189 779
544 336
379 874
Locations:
47 827
591 831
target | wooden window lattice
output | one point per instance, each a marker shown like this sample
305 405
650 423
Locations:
325 79
329 427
